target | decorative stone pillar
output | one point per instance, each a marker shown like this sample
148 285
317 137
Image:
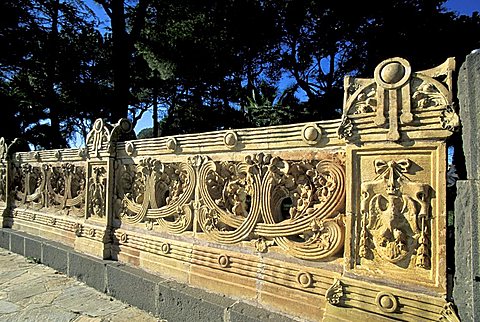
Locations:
395 126
5 181
94 235
466 291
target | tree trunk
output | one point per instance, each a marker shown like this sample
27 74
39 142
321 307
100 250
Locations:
56 138
155 111
120 58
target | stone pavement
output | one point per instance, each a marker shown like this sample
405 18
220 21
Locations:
37 293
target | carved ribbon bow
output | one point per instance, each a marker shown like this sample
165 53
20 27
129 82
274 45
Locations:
391 171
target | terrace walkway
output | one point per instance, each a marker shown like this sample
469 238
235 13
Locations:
34 292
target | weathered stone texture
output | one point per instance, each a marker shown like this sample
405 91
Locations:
469 100
4 240
31 292
466 290
132 286
33 249
87 269
55 256
242 312
178 302
17 244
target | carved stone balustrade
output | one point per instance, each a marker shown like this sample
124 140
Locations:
332 220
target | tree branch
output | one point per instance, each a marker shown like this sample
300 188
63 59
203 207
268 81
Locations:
106 7
139 20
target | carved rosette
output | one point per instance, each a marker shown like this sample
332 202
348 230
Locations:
291 204
395 216
157 194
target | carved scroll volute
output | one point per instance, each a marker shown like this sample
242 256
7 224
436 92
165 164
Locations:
74 186
241 200
397 99
156 194
103 136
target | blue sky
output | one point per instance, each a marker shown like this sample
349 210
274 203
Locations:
465 7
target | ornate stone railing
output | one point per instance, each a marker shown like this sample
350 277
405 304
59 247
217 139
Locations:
329 220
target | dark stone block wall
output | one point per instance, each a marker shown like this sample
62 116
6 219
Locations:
164 298
466 290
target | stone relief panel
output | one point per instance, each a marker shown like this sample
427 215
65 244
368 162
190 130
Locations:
97 190
3 170
156 194
295 205
397 99
396 214
3 183
60 187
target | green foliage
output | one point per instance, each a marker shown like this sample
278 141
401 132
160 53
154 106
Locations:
146 133
204 65
56 75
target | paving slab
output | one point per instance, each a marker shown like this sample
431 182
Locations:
34 292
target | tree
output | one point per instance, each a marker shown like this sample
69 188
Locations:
202 52
125 29
51 78
205 65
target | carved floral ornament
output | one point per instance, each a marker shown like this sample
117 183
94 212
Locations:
3 183
395 216
3 148
157 194
334 293
295 205
97 185
291 204
61 186
396 95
